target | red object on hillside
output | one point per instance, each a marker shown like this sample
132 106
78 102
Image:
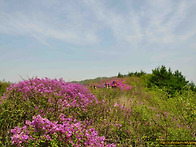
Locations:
115 83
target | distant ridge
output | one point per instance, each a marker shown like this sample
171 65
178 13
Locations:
88 81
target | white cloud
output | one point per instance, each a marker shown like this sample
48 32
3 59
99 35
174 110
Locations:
155 22
164 23
162 19
43 27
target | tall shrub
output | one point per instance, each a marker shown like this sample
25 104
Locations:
166 79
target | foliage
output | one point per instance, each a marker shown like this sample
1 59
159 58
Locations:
3 86
45 112
120 75
192 86
138 74
45 97
146 115
172 82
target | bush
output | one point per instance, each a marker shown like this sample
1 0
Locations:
138 74
3 86
120 75
192 86
44 100
64 132
166 79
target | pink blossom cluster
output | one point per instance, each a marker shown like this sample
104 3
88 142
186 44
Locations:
120 83
68 131
70 94
118 125
118 105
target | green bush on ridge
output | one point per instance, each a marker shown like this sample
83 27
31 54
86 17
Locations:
138 74
172 82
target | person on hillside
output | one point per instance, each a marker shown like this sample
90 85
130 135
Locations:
91 87
105 85
114 84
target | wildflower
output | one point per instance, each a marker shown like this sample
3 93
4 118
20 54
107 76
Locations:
21 135
115 104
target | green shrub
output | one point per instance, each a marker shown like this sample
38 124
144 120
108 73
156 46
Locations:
3 86
14 111
171 81
120 75
191 86
138 74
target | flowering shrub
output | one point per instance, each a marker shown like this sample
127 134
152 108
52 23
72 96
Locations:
120 83
67 131
50 98
70 94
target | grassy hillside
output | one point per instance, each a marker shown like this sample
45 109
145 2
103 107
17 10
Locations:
54 113
148 115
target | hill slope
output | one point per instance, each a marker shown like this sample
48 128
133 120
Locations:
127 114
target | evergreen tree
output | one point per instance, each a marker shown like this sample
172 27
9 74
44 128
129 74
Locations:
164 78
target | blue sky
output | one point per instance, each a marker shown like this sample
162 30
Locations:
83 39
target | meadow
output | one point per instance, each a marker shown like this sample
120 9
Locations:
139 111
